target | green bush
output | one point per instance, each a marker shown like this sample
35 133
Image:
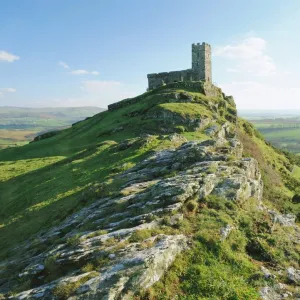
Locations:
256 249
65 289
192 205
74 240
50 264
140 235
215 202
296 199
88 268
100 262
179 129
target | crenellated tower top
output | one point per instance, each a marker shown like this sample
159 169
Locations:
201 61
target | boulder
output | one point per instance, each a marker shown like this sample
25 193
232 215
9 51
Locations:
293 275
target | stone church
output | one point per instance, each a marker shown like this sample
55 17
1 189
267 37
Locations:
201 69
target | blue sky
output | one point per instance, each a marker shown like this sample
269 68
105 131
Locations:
95 52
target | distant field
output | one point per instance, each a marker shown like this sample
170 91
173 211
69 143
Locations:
19 126
15 137
282 129
284 138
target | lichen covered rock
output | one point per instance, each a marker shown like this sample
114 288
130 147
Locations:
126 241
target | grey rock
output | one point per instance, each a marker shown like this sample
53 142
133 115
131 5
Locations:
157 260
225 231
268 293
293 275
267 273
32 270
175 137
151 191
283 219
112 256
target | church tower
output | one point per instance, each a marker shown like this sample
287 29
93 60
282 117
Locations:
201 61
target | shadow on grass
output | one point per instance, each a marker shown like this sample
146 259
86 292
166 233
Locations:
42 198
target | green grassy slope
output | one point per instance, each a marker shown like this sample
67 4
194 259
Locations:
44 182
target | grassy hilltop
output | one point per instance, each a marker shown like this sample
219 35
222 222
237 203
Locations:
45 182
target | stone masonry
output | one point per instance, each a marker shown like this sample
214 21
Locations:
201 69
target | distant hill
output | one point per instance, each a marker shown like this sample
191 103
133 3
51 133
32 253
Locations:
273 113
20 117
19 125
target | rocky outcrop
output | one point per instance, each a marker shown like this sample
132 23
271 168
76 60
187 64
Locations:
205 88
45 135
137 267
119 244
283 219
276 292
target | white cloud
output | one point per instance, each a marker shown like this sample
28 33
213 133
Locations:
256 81
100 93
249 48
3 91
8 90
8 57
249 56
257 95
78 72
104 92
96 86
64 65
84 72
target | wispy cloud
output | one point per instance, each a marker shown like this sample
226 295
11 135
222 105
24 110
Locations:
8 90
250 56
4 91
8 57
84 72
107 91
99 93
79 71
261 95
94 86
64 65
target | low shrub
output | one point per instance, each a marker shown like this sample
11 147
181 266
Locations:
179 129
140 235
192 205
50 264
296 199
87 268
74 240
65 289
100 261
215 202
